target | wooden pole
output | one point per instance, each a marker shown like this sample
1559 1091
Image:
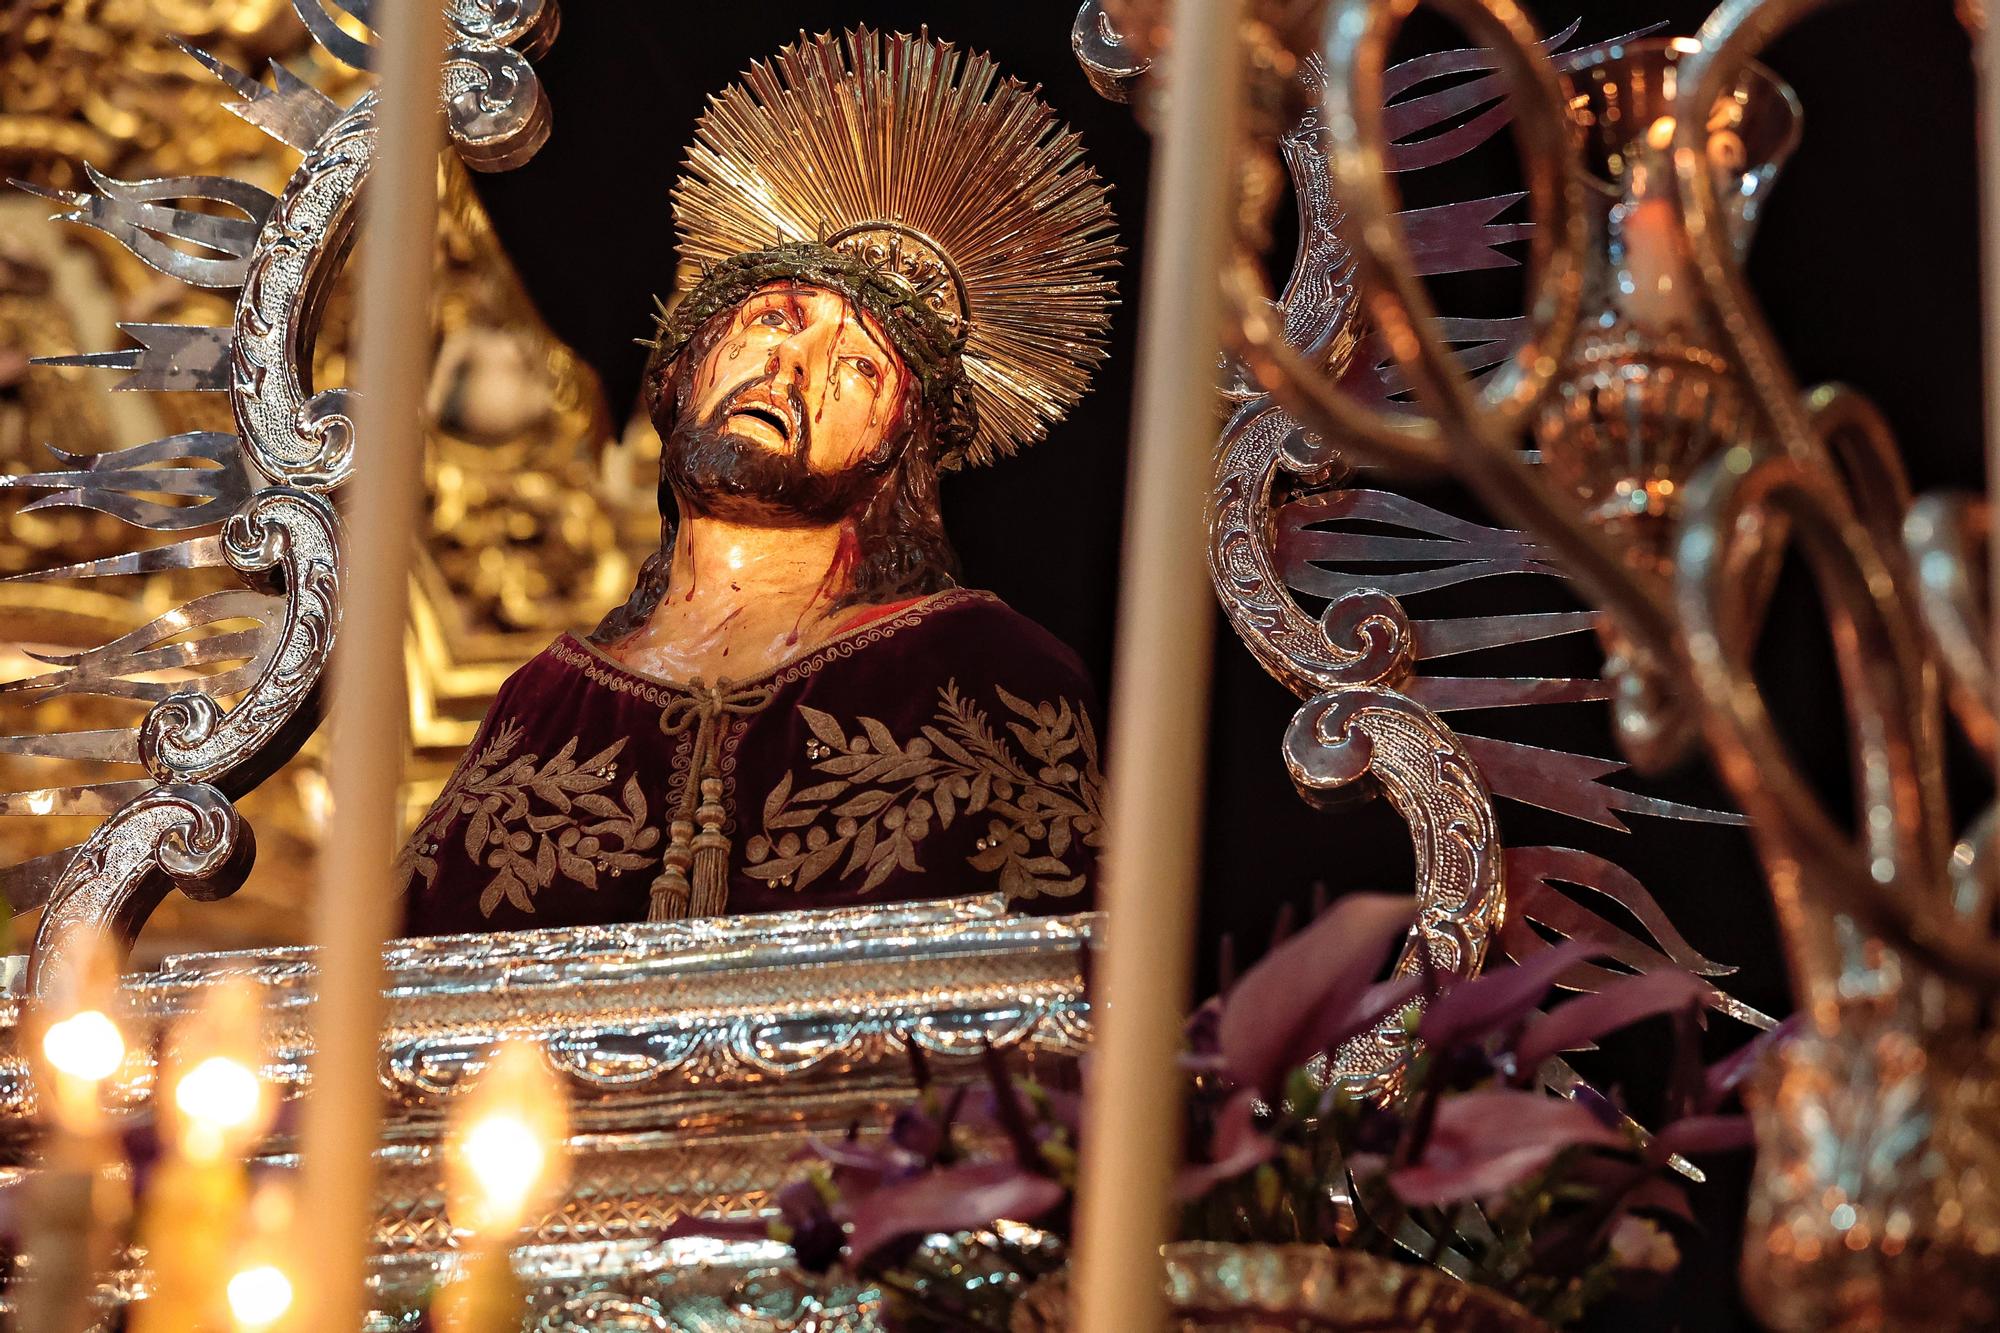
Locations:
353 913
1160 688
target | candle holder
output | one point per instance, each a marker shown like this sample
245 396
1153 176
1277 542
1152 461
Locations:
1647 395
265 513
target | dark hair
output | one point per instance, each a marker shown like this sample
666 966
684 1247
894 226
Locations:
903 550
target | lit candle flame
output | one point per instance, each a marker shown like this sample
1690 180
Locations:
220 1102
502 1152
259 1297
86 1046
81 1046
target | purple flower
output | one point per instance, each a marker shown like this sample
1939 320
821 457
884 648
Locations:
816 1235
918 1132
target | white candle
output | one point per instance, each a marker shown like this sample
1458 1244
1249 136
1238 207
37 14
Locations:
1987 56
74 1205
353 912
503 1162
1160 688
211 1109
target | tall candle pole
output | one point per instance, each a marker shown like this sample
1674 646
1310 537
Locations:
1160 688
352 915
1986 54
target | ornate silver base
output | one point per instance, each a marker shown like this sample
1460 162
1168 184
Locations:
700 1057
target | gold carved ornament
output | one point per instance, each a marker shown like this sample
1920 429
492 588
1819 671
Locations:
533 523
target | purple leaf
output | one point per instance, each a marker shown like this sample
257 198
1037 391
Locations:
1485 1142
1725 1074
959 1198
1273 1021
1584 1020
856 1167
1237 1148
1495 1001
1703 1134
1656 1195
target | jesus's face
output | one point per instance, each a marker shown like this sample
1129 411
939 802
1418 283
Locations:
796 404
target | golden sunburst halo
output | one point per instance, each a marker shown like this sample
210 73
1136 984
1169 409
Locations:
930 164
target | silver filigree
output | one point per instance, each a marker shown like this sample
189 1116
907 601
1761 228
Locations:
291 538
184 836
293 435
133 213
1424 771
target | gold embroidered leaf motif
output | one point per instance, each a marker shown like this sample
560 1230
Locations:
776 800
883 794
824 727
497 795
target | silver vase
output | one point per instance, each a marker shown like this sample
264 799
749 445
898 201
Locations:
1300 1289
1876 1204
1646 397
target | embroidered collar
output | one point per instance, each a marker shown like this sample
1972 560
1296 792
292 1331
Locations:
576 651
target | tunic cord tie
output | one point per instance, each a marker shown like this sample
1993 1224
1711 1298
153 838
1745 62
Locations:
694 869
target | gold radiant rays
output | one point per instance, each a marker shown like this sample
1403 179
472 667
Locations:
928 161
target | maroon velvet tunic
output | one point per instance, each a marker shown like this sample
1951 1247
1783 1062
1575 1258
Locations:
947 747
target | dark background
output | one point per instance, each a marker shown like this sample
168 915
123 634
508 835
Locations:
1866 264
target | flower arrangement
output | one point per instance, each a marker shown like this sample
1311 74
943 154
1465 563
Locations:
1468 1165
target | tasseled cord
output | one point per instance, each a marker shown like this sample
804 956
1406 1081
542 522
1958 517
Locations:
694 869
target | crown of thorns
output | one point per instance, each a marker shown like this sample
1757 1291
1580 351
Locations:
930 349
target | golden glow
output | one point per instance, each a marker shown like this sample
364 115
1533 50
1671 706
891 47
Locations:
1660 134
221 1105
506 1159
503 1151
86 1046
220 1092
259 1297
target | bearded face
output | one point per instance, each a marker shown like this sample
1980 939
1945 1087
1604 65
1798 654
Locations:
792 411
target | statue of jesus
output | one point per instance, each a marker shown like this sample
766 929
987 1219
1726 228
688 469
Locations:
901 271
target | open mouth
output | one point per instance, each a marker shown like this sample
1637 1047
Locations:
770 416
